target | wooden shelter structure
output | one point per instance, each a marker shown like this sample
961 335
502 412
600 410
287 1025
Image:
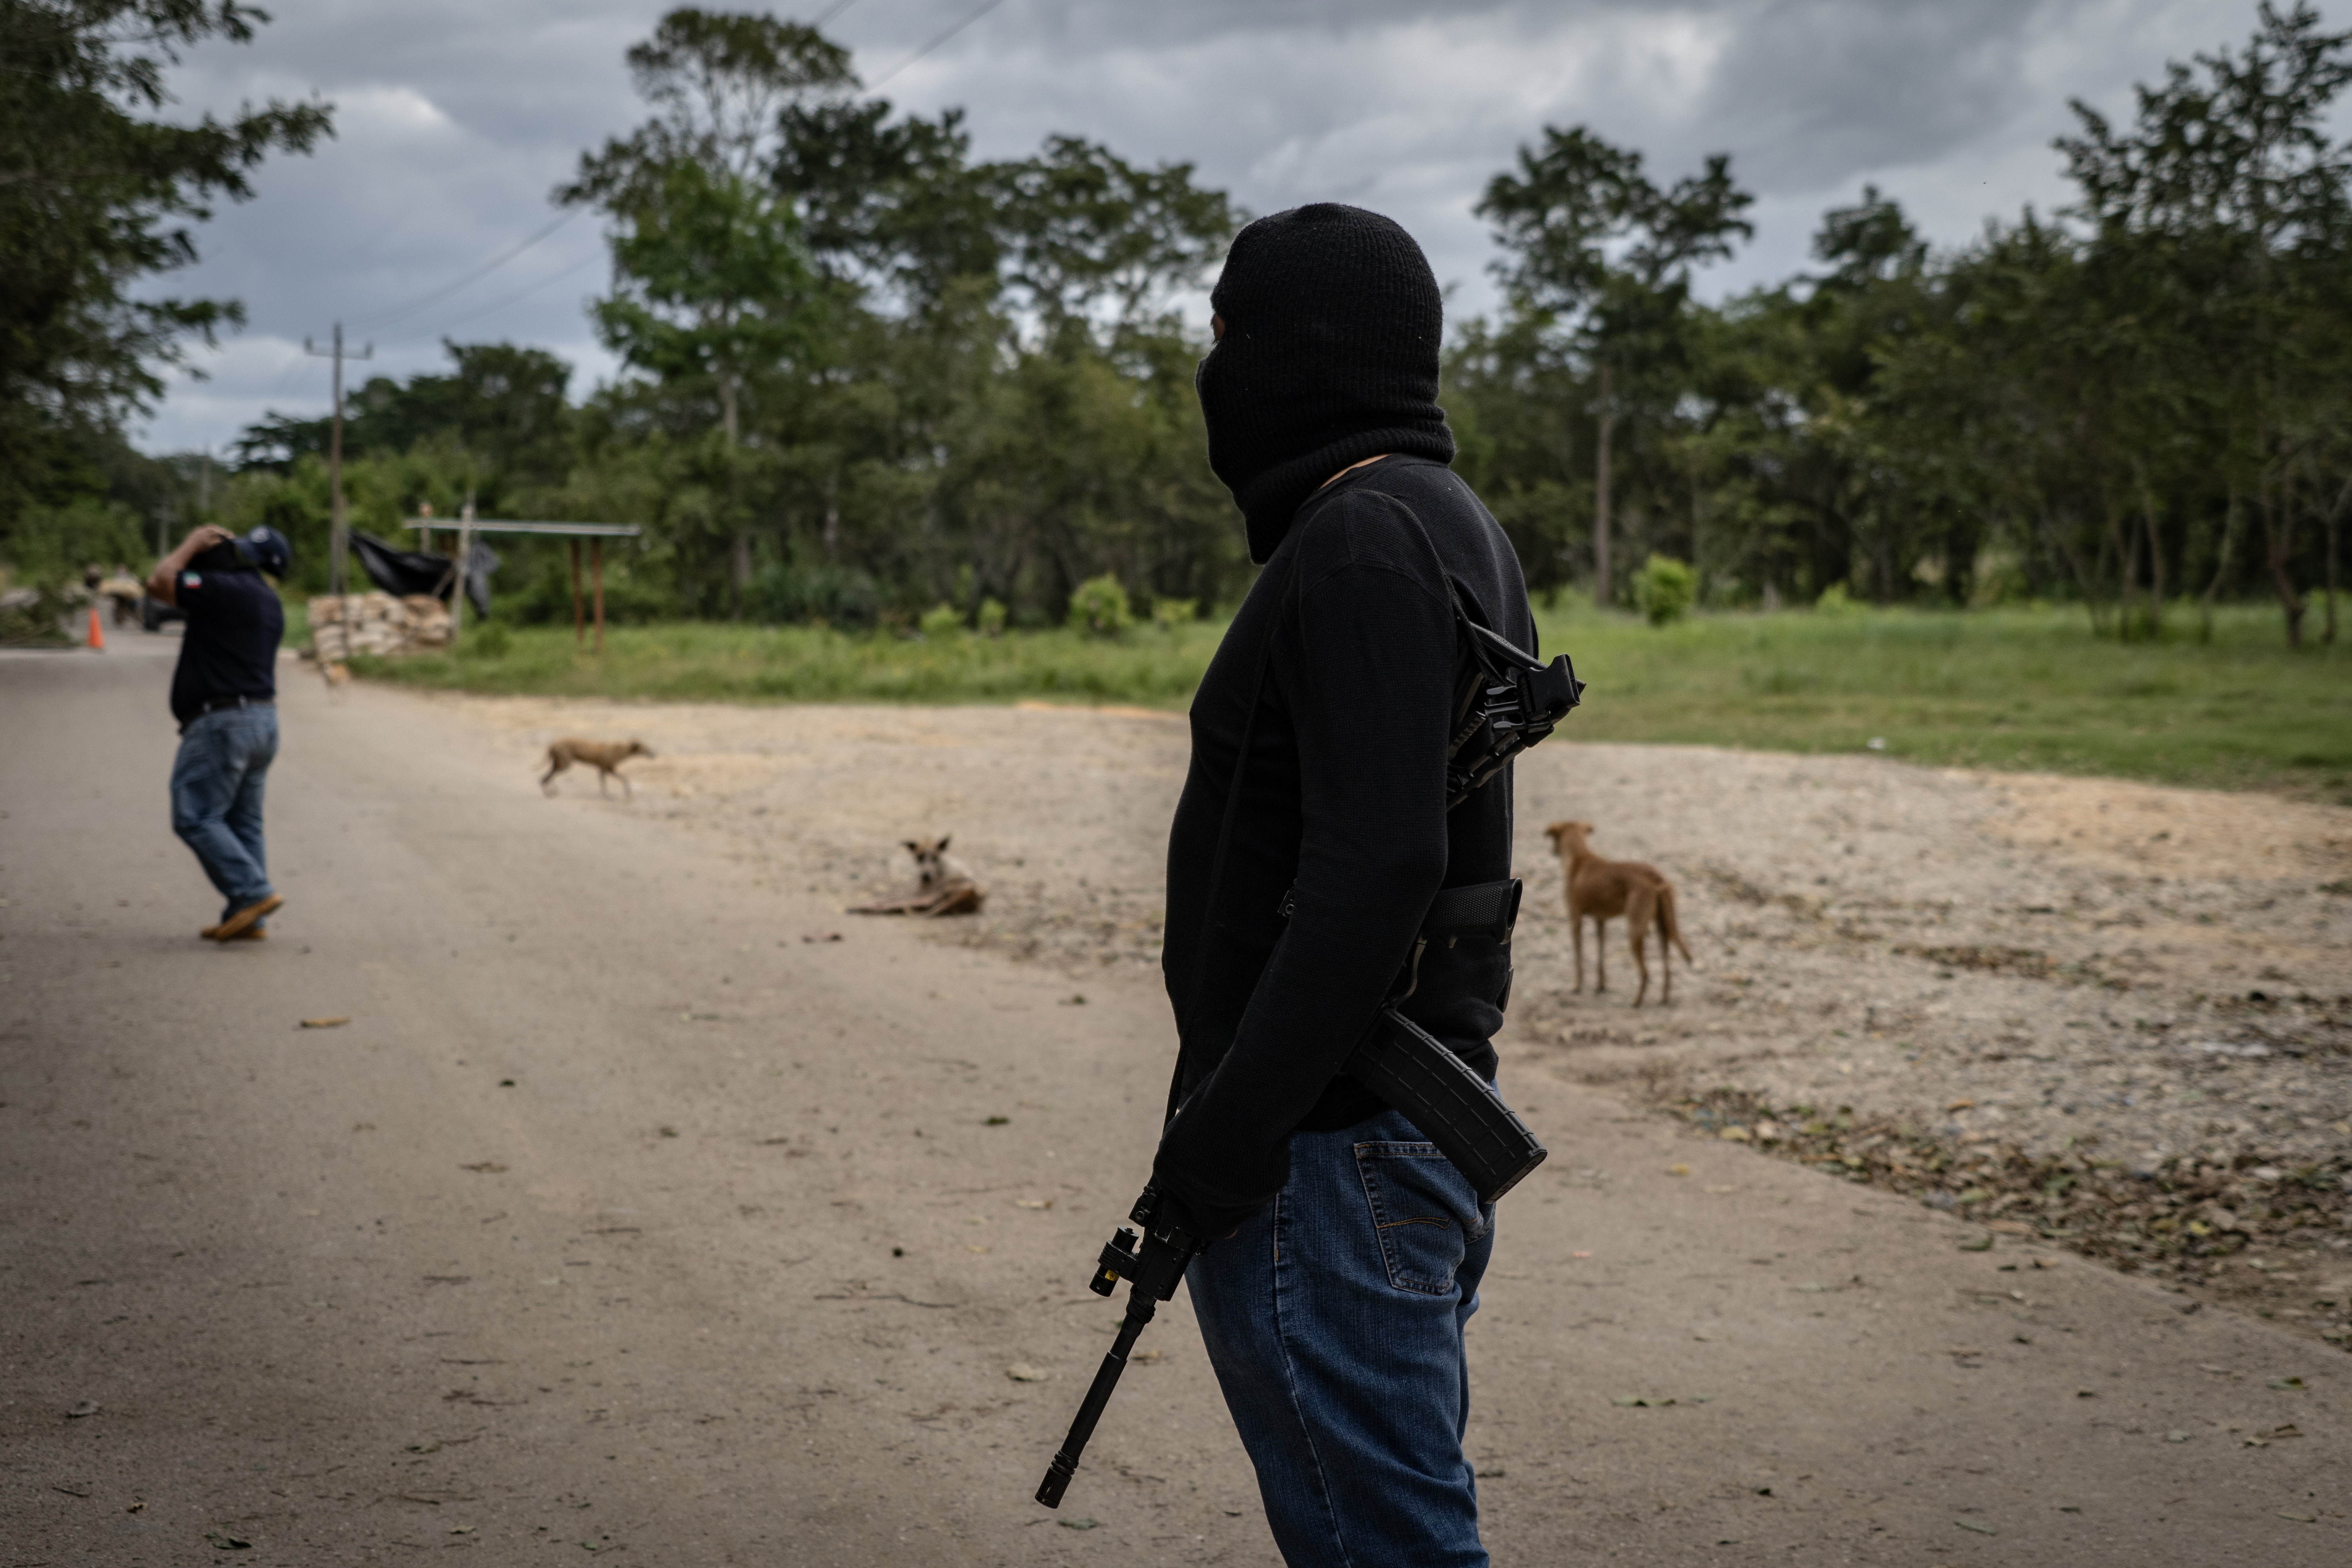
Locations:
465 525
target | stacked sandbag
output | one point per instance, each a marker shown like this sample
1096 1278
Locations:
377 624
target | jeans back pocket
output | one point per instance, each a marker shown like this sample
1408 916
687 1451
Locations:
1424 1211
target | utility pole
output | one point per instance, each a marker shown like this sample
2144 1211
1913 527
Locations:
465 559
338 533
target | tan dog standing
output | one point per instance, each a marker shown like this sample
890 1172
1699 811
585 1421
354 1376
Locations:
943 885
1606 888
605 756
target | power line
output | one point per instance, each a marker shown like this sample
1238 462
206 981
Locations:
512 299
483 270
985 8
830 11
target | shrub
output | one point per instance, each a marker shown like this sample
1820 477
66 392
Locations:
491 641
49 546
34 618
631 597
941 621
992 617
1170 613
1100 608
1663 589
1835 601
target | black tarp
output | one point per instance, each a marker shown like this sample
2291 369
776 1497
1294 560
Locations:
405 571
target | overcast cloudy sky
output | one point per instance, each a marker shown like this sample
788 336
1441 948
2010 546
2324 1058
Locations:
456 117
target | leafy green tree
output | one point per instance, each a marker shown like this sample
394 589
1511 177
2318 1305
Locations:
98 194
2229 189
1597 247
1087 231
714 288
504 402
721 83
892 204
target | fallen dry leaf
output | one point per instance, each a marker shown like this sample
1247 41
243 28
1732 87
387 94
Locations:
1677 1170
1021 1372
487 1167
325 1023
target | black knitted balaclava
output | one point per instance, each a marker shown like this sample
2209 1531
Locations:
1332 322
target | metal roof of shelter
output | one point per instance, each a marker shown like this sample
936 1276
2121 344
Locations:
573 529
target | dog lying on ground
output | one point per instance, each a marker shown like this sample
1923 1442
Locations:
605 756
943 885
1606 888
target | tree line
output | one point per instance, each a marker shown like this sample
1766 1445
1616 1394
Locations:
868 373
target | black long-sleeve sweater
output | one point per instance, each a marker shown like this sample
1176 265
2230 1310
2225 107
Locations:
1344 797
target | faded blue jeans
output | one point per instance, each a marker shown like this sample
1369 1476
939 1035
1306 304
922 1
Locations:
1334 1321
216 783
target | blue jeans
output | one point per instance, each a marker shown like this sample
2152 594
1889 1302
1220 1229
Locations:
216 783
1334 1320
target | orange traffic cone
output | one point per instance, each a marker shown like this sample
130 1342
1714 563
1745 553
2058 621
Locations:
97 637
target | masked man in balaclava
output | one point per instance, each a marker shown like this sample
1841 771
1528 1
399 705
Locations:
1347 1250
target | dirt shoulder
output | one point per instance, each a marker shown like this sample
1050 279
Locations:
1970 987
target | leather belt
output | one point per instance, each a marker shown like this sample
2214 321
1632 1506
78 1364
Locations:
222 705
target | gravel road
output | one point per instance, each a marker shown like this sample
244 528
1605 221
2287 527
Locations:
622 1214
1968 987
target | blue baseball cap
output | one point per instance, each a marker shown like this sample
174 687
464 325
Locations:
266 548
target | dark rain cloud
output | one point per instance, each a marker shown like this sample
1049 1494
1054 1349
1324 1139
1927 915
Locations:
455 118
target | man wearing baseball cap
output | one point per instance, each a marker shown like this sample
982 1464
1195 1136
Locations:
225 695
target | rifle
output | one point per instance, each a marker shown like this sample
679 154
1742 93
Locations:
1406 1066
1151 1255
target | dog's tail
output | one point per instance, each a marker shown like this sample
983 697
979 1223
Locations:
1669 929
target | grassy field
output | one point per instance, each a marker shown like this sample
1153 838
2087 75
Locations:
705 662
2029 689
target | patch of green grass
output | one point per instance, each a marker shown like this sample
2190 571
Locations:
2023 689
703 662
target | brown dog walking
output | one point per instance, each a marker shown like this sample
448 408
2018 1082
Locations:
604 756
1606 888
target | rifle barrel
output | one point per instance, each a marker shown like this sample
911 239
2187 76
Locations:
1139 1310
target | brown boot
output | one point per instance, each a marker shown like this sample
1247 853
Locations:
234 926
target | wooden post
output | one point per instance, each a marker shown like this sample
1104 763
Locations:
458 594
579 630
596 560
1604 589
